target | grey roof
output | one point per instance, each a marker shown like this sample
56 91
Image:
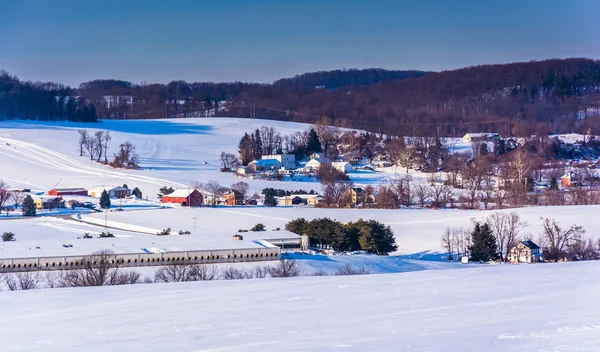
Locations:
70 190
530 244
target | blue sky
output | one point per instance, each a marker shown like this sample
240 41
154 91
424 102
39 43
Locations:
225 40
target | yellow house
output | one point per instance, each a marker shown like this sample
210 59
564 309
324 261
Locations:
356 195
49 203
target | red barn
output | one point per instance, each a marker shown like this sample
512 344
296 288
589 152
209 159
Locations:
184 197
59 192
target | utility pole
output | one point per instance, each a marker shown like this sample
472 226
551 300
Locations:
194 225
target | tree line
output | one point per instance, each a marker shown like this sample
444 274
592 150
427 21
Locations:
42 101
370 236
495 237
560 95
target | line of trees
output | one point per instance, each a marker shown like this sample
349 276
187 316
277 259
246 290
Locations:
370 236
42 101
96 145
17 199
495 237
518 98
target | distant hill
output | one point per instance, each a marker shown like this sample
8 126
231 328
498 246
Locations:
520 98
523 98
343 78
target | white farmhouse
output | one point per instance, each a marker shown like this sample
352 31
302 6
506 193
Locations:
312 164
288 161
479 137
342 166
266 164
113 192
525 252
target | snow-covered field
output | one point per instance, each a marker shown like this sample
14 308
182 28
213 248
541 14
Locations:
174 152
544 307
551 307
417 232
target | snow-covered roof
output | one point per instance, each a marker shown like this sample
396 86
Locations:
70 189
266 162
340 163
181 193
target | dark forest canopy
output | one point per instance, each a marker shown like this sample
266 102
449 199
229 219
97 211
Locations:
343 78
42 101
557 95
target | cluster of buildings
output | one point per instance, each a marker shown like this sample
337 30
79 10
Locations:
286 164
54 197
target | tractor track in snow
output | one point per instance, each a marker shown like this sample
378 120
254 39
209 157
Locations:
39 155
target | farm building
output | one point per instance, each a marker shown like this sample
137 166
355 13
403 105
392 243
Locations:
479 137
525 252
342 166
266 164
113 192
570 179
311 199
231 198
49 203
288 201
68 192
288 161
312 164
184 197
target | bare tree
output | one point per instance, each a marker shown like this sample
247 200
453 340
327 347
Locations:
5 195
440 192
286 268
422 193
105 141
406 157
26 280
241 189
506 228
17 198
126 157
91 146
335 191
258 272
229 161
180 272
448 242
83 138
99 269
99 137
403 187
558 239
214 191
232 273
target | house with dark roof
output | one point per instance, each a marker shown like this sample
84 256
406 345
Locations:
525 252
59 192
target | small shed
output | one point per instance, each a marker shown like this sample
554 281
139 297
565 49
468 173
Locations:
342 166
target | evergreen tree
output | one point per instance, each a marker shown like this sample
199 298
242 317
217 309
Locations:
297 226
104 200
313 145
28 206
484 246
137 192
270 200
245 149
377 238
258 145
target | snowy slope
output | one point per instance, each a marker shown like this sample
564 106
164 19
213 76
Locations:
417 232
551 307
175 152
